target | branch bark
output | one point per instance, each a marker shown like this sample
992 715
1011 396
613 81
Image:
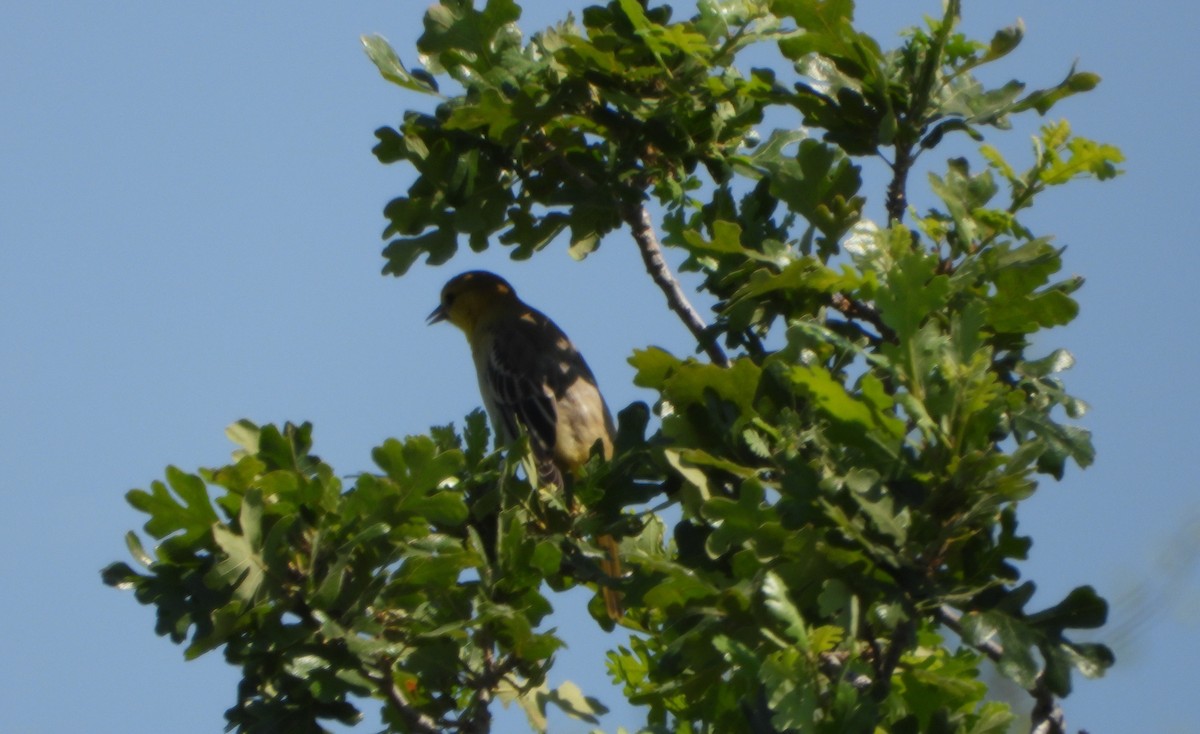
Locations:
642 227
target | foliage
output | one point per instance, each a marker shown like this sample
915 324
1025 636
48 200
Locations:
848 480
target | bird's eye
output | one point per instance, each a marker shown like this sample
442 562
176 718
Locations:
448 299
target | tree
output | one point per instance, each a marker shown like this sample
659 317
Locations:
847 457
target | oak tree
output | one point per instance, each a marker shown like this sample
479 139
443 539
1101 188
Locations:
843 457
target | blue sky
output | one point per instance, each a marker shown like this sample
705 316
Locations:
189 235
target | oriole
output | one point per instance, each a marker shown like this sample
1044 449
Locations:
531 377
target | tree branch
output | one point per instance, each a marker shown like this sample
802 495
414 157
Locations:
885 665
897 196
479 721
909 137
859 311
642 227
640 224
1047 716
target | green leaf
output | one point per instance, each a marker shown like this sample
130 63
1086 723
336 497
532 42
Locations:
244 433
546 558
134 544
418 465
826 638
456 34
241 567
1057 361
531 701
820 184
1005 41
250 517
964 195
726 240
654 366
491 112
120 576
1017 640
194 516
789 682
827 29
571 701
1090 658
1043 99
1084 157
692 474
1082 609
438 245
477 436
385 59
803 275
912 292
677 591
775 595
832 398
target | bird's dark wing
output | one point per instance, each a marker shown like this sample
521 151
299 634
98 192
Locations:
522 396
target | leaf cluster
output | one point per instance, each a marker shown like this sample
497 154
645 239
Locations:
421 586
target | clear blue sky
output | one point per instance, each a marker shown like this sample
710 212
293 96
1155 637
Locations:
189 235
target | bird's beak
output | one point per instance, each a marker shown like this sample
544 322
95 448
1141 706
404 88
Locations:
439 314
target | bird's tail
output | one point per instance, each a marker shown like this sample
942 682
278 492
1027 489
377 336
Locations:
611 565
550 475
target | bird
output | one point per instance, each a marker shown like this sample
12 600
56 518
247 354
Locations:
533 379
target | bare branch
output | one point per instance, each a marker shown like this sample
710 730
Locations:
638 219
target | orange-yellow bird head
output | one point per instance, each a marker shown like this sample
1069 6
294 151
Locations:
472 296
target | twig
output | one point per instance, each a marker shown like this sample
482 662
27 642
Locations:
642 227
1047 716
857 310
640 223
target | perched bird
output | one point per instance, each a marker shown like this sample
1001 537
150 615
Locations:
531 377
